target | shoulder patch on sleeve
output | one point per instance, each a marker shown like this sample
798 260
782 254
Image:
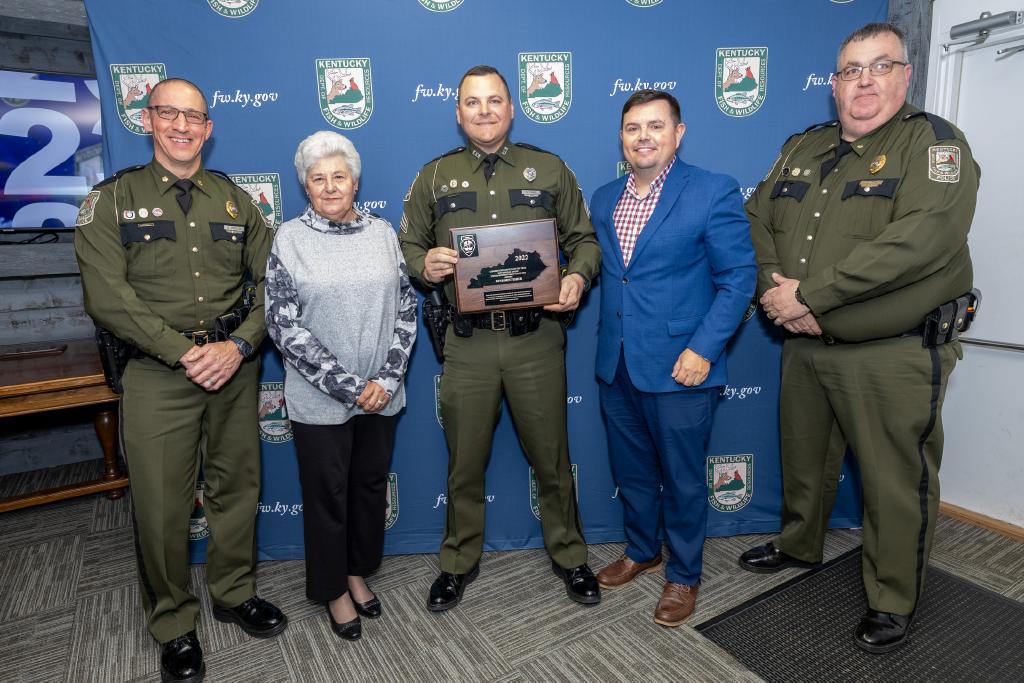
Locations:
942 128
87 210
408 193
944 163
115 176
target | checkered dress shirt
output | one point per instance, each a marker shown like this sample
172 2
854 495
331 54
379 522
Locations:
633 211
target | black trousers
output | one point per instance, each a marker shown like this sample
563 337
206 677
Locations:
343 470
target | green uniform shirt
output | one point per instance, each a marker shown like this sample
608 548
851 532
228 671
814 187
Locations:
149 271
528 184
882 239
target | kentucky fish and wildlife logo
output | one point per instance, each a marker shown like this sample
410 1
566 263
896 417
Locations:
730 481
622 168
198 528
346 91
391 495
644 3
535 493
545 85
132 85
233 9
265 190
441 5
275 427
741 79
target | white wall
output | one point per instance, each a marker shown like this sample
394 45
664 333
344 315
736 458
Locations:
983 93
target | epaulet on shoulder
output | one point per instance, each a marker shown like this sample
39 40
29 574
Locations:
942 128
447 154
223 175
123 171
808 129
533 147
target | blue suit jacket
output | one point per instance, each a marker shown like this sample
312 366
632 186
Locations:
688 283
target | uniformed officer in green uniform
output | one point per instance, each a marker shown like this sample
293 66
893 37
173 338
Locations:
163 249
493 181
860 230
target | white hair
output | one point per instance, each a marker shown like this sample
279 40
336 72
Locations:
323 144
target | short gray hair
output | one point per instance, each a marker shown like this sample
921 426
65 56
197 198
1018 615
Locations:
870 31
323 144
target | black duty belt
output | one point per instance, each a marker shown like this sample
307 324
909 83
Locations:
830 340
223 327
515 322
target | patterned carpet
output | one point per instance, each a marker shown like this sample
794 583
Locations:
70 611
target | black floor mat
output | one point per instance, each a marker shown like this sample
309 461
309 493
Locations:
803 630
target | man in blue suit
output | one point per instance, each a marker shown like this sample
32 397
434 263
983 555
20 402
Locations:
677 275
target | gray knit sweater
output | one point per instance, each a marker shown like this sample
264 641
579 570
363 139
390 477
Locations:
341 310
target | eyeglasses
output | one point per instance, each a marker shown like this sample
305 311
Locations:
166 111
879 68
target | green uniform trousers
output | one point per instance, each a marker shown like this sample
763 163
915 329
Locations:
884 399
164 419
530 369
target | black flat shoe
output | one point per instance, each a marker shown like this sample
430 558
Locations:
181 660
446 592
880 632
350 630
580 583
767 559
255 616
371 609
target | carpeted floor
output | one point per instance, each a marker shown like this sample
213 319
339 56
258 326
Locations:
69 610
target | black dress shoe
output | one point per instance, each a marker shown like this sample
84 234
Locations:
255 616
447 589
880 632
371 609
182 659
350 630
767 559
580 583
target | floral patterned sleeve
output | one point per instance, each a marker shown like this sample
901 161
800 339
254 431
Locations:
298 345
390 375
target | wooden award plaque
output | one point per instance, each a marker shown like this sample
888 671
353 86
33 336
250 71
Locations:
501 267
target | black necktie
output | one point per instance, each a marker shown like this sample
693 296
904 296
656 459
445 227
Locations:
841 151
184 195
489 162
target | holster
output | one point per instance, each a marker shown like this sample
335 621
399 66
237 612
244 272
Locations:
945 323
435 313
114 357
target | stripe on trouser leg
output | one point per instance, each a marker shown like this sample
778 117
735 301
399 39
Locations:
922 487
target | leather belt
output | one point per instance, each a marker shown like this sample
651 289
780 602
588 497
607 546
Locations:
515 322
202 337
830 340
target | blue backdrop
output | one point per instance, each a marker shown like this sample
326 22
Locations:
748 74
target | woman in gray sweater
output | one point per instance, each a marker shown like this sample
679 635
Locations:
341 310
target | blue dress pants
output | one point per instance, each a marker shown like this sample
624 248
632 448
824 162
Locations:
657 444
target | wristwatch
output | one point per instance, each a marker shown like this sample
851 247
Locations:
243 346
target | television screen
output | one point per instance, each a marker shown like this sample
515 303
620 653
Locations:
50 152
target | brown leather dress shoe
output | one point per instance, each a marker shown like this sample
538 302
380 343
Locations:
676 604
623 570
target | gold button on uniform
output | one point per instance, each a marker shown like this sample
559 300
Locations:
195 249
200 299
810 237
196 273
817 214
